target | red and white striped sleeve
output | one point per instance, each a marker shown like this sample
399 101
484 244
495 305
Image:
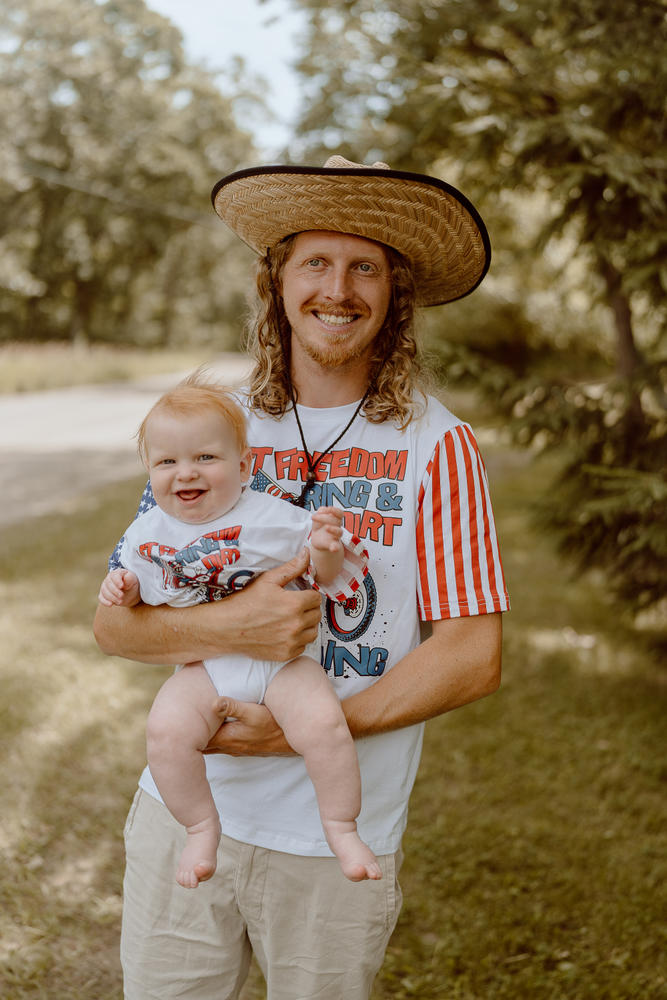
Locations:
459 567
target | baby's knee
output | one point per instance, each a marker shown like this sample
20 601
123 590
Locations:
329 729
159 730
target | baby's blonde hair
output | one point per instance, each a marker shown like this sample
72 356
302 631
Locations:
195 393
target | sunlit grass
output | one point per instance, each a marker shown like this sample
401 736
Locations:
72 723
535 864
30 368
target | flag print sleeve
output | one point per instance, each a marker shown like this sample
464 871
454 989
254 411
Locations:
459 567
147 501
353 571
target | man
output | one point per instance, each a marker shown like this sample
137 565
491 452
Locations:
336 416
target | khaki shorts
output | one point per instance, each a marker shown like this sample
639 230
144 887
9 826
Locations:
314 933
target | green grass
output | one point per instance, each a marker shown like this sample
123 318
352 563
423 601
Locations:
535 854
31 368
72 723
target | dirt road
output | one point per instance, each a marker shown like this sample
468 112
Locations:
58 446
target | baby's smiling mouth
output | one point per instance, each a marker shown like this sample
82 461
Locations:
186 495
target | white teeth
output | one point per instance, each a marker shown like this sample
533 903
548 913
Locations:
334 320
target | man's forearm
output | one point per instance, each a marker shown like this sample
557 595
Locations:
159 634
458 664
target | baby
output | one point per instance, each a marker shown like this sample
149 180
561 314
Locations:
207 536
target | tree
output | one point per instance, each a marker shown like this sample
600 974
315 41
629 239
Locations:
554 114
114 143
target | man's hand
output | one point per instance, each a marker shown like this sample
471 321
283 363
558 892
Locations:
272 623
248 730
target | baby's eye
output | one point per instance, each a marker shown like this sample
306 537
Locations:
166 461
206 458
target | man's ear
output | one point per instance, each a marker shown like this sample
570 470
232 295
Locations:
246 463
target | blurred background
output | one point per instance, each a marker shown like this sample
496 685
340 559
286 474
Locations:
118 116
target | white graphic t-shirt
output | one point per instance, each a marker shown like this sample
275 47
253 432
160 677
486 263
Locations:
418 501
182 564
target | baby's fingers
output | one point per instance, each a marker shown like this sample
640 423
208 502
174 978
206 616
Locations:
109 595
336 511
328 515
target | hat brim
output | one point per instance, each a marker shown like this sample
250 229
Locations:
427 220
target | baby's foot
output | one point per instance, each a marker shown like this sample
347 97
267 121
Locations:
199 858
356 858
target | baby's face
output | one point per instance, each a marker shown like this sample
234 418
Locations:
195 466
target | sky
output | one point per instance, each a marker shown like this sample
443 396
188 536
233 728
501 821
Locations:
262 34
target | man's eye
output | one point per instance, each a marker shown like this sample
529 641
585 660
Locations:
314 262
366 268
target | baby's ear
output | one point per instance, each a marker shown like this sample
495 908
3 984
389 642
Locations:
246 463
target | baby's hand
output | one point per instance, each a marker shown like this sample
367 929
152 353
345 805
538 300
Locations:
327 531
120 587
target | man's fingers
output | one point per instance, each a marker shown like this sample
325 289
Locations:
289 570
246 728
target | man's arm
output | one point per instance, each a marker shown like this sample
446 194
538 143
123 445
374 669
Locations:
263 621
458 664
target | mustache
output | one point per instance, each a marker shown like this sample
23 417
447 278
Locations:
342 309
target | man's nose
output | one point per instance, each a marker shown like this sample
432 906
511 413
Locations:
338 284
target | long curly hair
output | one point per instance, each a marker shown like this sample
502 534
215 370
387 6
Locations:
396 374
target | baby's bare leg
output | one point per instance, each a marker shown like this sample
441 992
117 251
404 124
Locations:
305 705
180 724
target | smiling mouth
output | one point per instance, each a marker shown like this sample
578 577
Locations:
187 496
335 319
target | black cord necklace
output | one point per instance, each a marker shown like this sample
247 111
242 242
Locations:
312 464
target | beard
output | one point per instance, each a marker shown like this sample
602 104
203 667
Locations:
335 355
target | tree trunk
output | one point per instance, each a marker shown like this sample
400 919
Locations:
629 359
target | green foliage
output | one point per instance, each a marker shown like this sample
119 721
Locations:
551 117
112 143
567 96
608 504
607 500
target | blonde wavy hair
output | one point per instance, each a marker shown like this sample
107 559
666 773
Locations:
397 372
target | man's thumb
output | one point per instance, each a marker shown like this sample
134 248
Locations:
227 708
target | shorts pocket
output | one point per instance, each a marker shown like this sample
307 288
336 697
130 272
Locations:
393 893
130 816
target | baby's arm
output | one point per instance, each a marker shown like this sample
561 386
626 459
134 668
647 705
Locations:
120 587
326 548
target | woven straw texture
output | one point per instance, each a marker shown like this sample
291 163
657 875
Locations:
426 223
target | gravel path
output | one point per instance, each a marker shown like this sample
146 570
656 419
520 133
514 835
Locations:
58 446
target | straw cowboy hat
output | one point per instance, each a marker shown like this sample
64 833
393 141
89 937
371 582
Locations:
431 223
